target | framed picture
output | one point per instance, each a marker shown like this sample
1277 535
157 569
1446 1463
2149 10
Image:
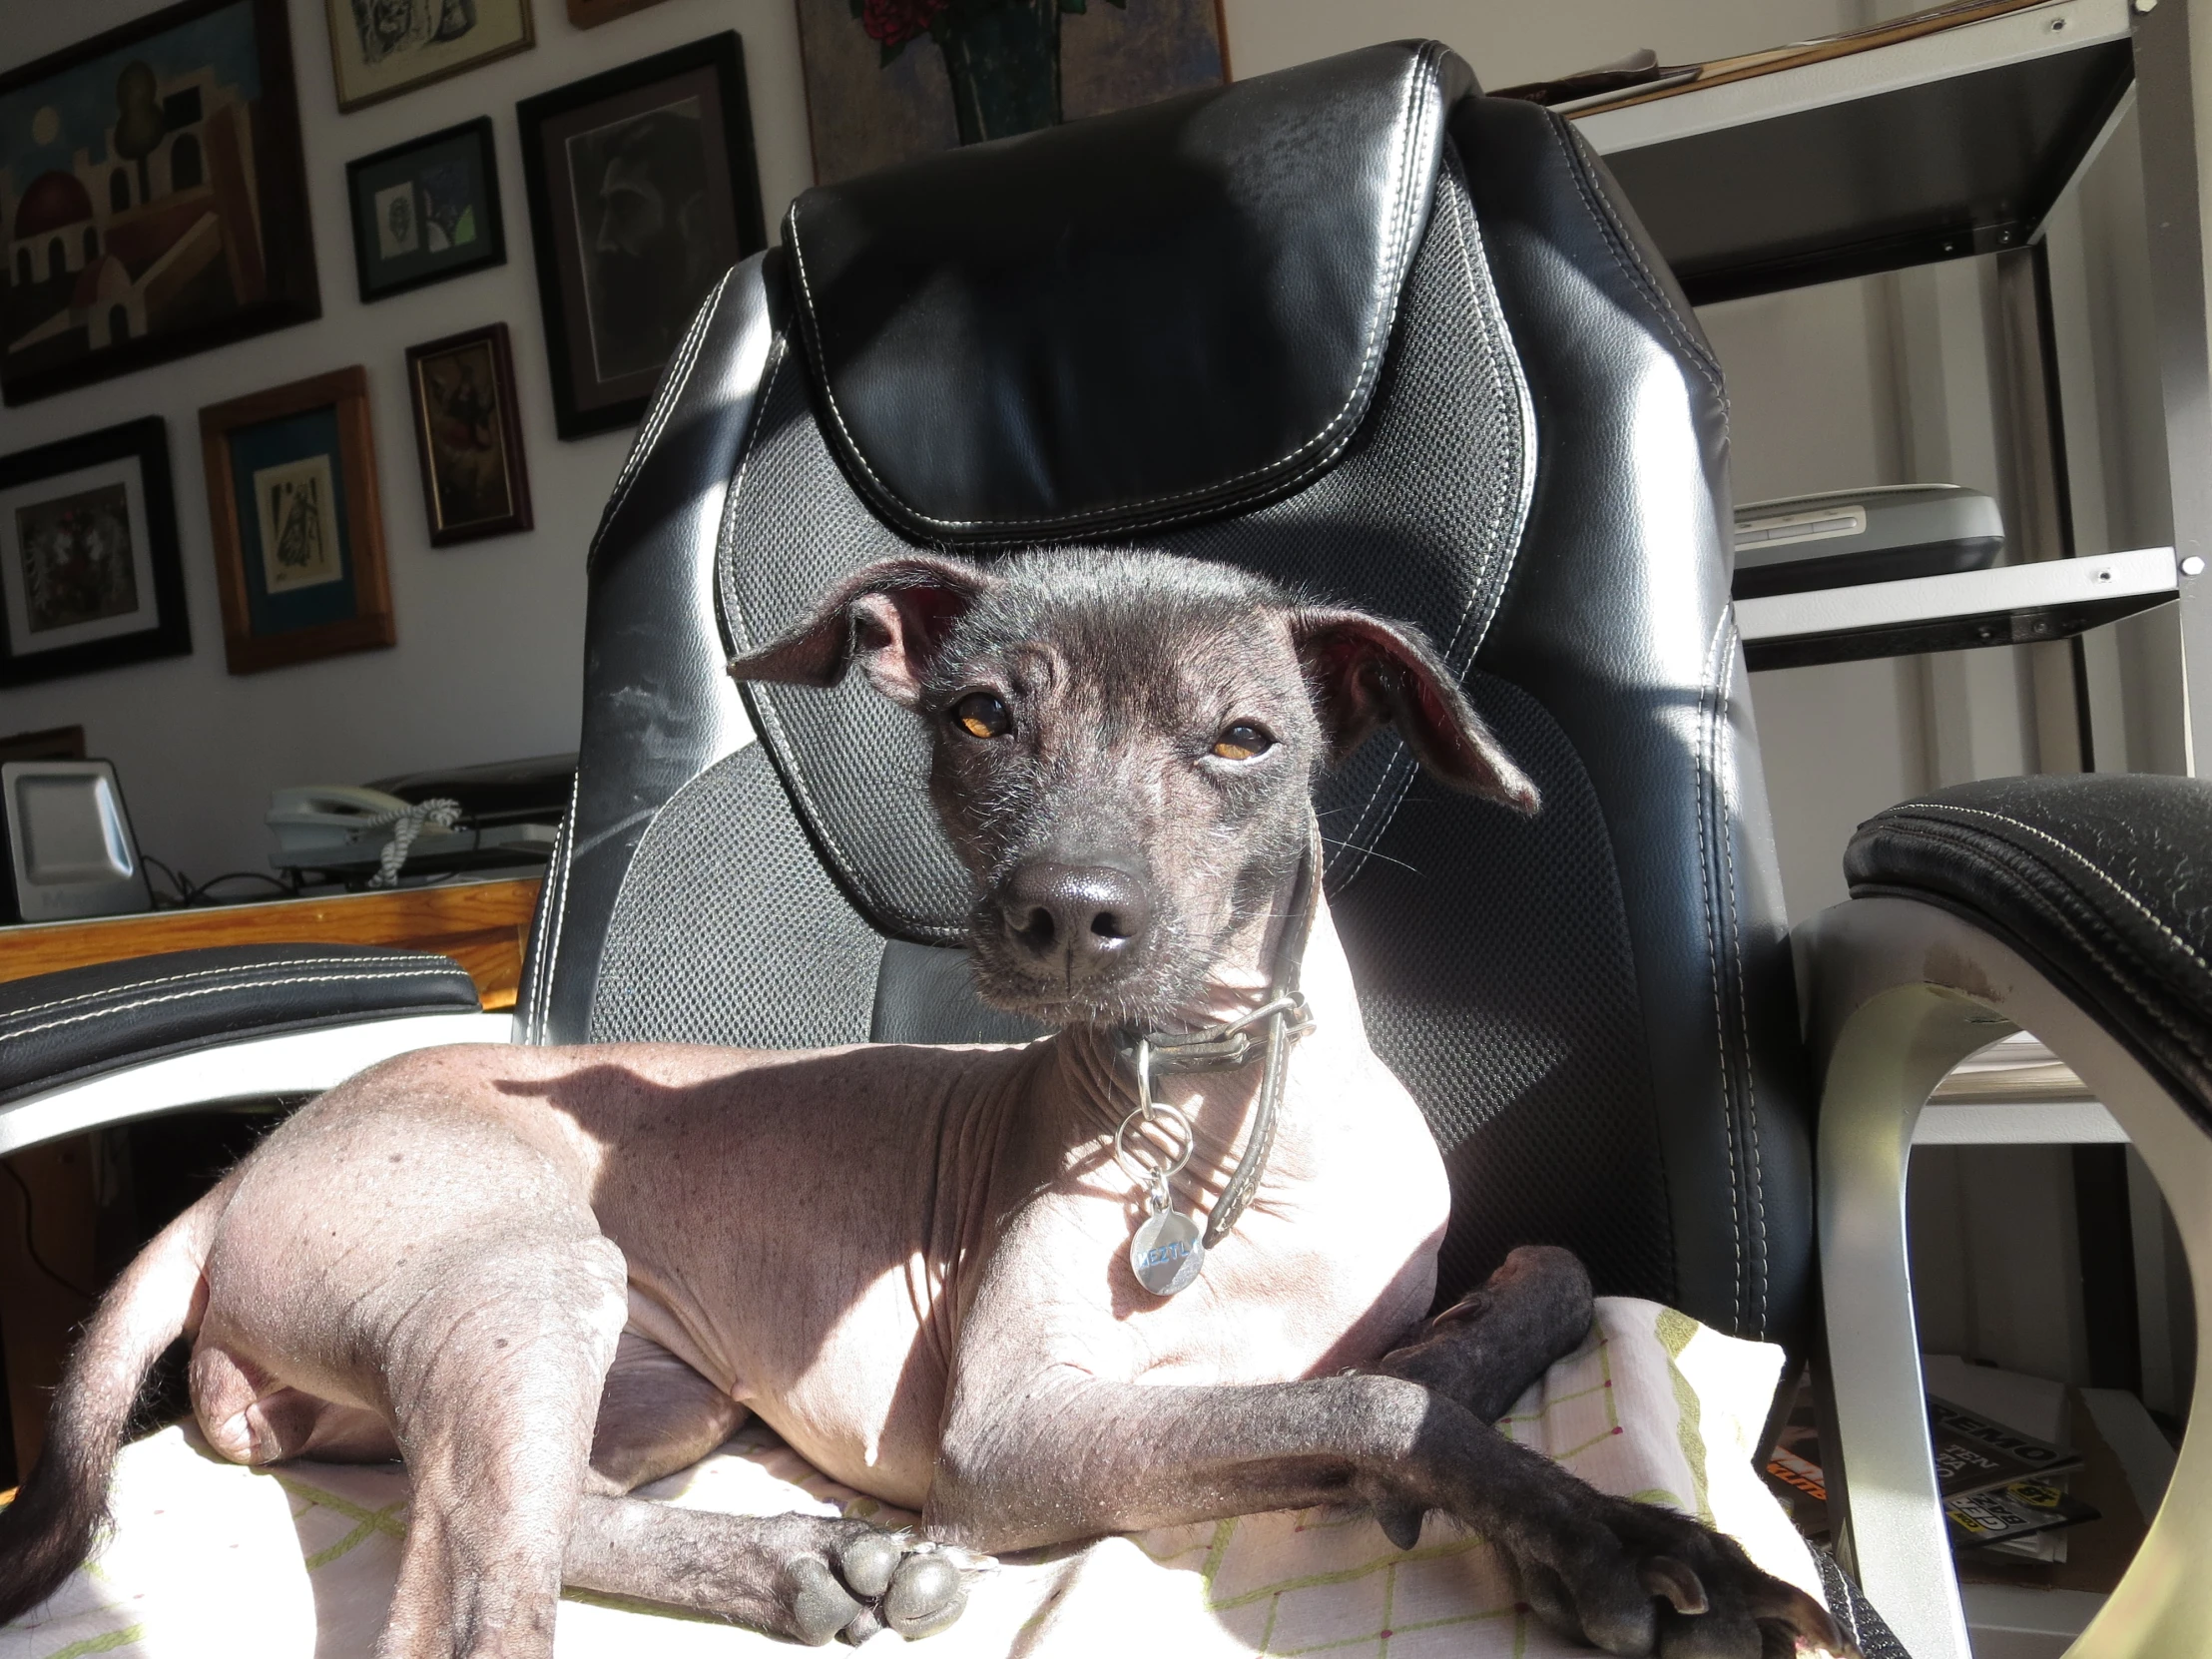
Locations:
153 201
896 79
641 194
89 571
426 209
299 538
589 14
382 47
55 743
467 436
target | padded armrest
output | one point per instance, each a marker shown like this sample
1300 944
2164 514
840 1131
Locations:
2104 883
57 1027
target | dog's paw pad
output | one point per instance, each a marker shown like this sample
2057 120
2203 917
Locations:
868 1561
821 1607
929 1592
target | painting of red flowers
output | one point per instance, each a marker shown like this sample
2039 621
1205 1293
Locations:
889 80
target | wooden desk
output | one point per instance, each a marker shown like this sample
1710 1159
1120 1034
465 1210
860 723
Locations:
483 925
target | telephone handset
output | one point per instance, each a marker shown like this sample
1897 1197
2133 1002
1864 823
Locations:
330 817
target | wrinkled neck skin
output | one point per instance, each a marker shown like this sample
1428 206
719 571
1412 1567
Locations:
1090 1080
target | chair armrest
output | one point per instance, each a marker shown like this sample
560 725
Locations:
2104 883
2072 909
56 1028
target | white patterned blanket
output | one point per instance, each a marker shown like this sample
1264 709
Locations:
209 1559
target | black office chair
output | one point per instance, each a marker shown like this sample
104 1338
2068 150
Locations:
1356 328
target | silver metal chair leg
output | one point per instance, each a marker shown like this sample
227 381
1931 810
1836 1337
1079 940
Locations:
1899 993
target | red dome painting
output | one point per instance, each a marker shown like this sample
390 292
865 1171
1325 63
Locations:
134 170
54 201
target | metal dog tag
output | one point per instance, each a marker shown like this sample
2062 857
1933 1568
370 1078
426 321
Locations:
1167 1253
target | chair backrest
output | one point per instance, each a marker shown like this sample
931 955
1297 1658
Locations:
1355 326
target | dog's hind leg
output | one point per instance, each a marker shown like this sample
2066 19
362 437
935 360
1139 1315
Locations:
494 1380
656 1416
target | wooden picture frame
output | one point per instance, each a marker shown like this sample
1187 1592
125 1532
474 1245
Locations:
298 532
90 573
589 14
162 206
395 46
427 211
618 294
468 437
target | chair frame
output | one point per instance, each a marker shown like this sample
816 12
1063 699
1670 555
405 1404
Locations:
1896 993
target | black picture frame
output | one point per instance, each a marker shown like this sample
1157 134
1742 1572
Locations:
249 256
409 170
612 324
137 451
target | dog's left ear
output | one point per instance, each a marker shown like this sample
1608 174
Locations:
892 616
1364 672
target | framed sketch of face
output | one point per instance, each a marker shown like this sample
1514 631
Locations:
382 47
643 192
467 436
298 539
89 571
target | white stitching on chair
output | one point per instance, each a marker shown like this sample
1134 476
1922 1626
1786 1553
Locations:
2081 858
1722 774
1389 279
234 970
1623 251
542 992
687 357
213 991
1699 768
1511 389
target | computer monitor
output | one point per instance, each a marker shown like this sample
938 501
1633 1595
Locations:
71 852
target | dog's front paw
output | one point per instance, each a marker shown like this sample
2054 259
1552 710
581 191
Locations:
1635 1580
884 1581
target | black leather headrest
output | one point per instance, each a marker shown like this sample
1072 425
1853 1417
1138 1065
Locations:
1128 321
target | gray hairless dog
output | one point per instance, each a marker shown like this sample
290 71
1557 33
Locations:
544 1277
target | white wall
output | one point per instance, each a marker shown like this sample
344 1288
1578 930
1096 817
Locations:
489 660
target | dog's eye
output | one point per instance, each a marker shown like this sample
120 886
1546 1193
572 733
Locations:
1242 741
981 715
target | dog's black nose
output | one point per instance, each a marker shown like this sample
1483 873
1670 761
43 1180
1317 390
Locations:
1078 917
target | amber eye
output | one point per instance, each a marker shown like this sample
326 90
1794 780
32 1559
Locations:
1242 741
981 715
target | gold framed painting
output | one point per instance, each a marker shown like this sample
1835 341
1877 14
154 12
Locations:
382 47
467 436
298 534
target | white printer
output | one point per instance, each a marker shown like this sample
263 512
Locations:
1843 538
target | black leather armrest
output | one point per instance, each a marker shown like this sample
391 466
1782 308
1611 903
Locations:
2104 883
57 1027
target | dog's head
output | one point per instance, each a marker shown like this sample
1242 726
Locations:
1123 746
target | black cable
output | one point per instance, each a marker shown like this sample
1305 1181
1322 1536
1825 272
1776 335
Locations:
30 1239
204 889
190 893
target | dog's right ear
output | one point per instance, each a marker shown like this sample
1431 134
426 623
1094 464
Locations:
893 616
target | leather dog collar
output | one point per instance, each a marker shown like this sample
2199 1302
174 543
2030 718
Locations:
1168 1249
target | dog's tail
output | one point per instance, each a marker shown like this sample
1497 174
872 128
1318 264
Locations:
47 1532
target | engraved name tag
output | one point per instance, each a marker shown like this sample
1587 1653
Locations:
1167 1253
